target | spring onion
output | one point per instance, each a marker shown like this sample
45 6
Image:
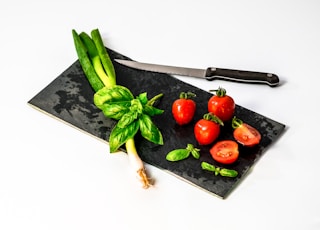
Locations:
117 102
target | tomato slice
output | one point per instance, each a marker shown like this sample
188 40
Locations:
225 152
247 135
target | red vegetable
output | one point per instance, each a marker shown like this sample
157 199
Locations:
221 105
244 133
225 152
183 109
207 129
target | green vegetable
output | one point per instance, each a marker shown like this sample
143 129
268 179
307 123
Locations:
117 102
180 154
96 60
104 56
86 64
149 130
217 170
133 114
228 172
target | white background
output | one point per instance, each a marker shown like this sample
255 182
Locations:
53 176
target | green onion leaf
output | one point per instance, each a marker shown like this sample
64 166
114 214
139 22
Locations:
104 56
86 64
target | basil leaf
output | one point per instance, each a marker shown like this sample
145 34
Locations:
207 166
115 110
151 111
127 119
195 153
119 136
113 94
228 172
149 130
143 98
178 154
136 106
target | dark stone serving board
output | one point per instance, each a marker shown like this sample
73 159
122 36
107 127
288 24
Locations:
69 98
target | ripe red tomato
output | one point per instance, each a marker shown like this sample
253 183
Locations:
225 152
221 105
183 109
244 133
207 129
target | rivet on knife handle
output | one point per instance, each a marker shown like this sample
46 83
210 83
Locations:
242 76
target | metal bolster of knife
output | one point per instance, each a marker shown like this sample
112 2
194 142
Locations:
242 76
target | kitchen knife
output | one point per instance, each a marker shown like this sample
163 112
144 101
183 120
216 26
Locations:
210 73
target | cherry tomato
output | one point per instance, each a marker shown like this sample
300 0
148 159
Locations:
221 105
183 109
244 133
207 129
225 152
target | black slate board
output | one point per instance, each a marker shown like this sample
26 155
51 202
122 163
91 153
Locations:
69 98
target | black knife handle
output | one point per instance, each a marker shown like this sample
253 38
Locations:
242 76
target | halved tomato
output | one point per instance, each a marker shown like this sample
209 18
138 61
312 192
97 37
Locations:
244 133
247 135
225 152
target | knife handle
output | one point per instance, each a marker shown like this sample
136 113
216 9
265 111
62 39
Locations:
242 76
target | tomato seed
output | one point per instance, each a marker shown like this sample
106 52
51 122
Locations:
224 153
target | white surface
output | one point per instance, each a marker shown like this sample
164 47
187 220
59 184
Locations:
55 177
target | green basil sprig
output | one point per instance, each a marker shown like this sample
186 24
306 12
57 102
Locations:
180 154
217 170
133 114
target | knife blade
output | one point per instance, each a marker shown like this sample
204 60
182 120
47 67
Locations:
209 73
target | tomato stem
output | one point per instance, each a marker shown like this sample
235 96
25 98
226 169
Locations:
220 92
236 122
188 95
212 117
